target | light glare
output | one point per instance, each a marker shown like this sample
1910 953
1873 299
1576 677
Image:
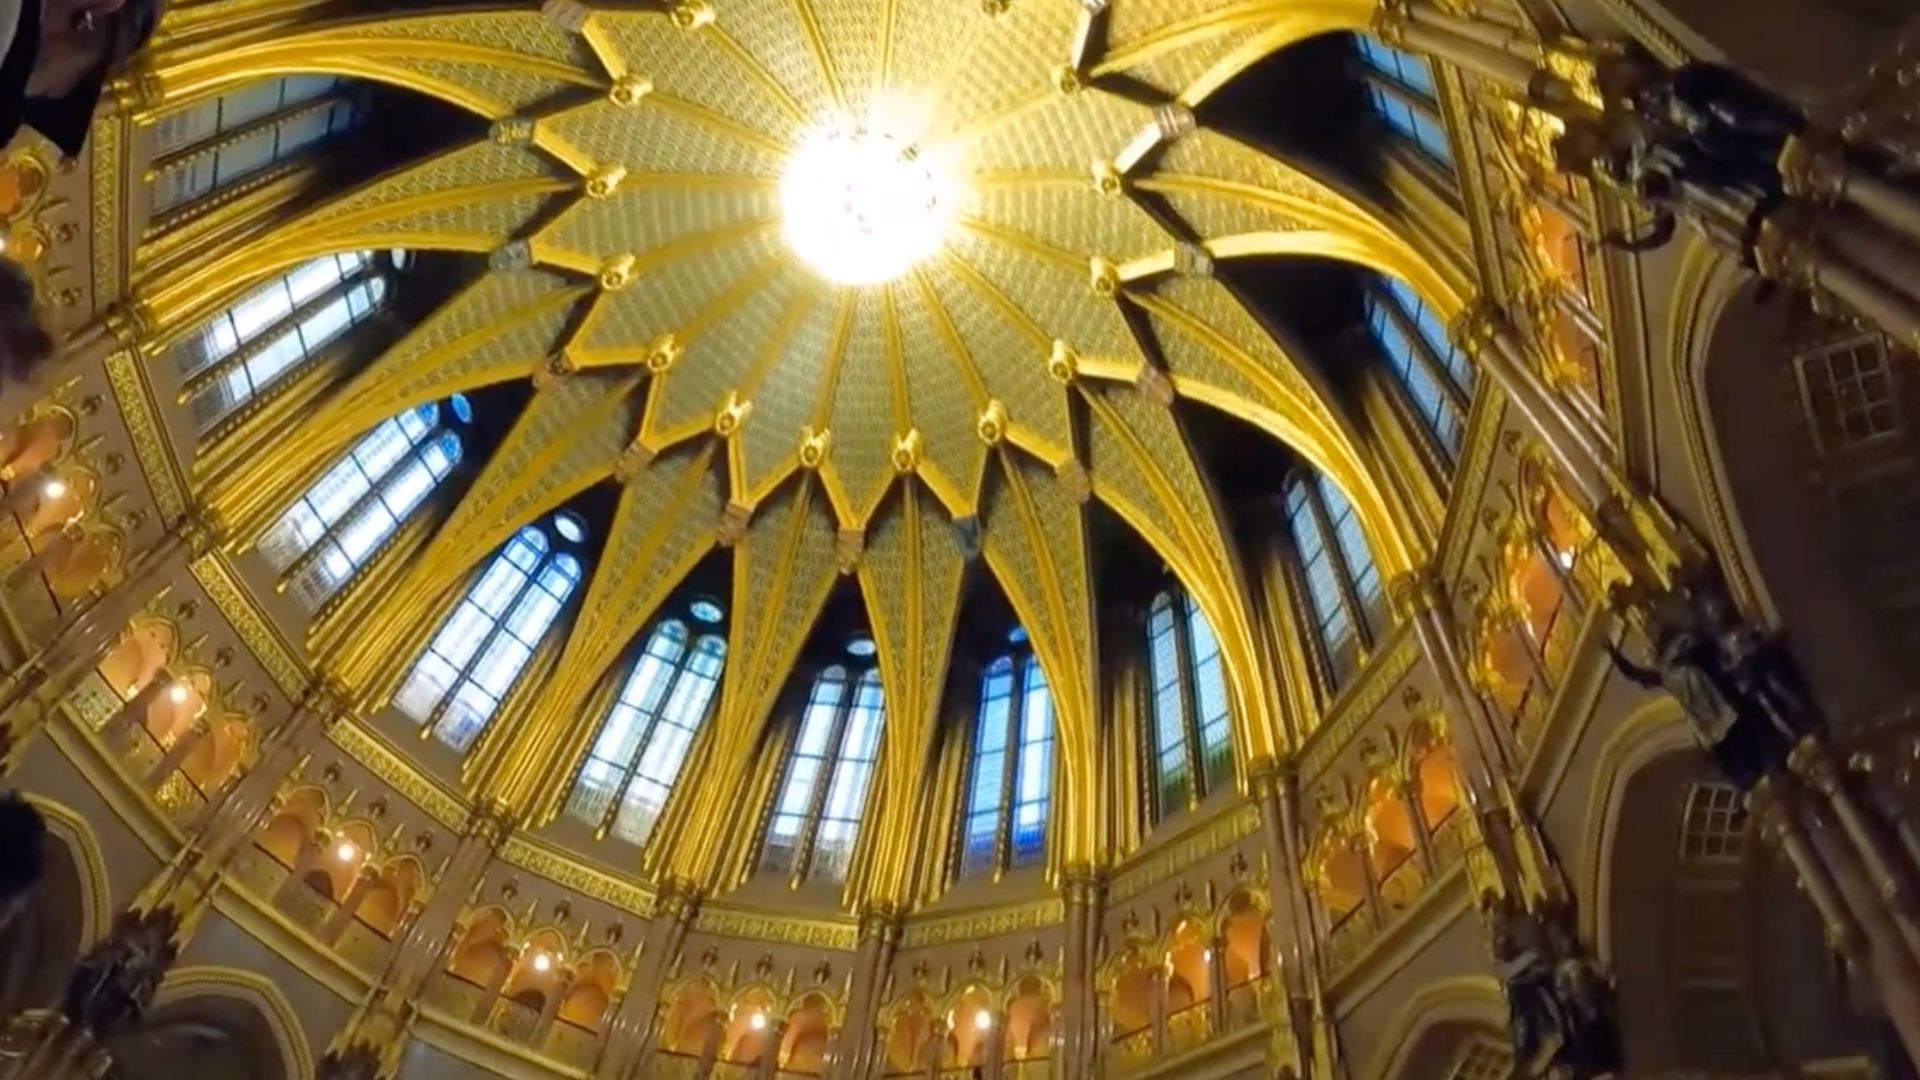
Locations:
862 204
346 852
983 1019
757 1021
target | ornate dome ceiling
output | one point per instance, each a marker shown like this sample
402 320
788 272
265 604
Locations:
1040 213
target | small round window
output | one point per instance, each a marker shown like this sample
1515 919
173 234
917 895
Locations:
462 408
706 611
570 528
862 647
1017 635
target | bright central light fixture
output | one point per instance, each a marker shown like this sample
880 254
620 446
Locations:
862 203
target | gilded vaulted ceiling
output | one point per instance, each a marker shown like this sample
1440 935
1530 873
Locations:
627 198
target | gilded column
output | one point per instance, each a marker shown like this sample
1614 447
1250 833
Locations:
630 1037
371 1044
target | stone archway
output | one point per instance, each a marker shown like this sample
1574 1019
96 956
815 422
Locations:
1808 433
1721 964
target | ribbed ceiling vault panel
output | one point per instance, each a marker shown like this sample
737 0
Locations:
782 571
862 468
768 444
1220 187
670 293
653 216
1007 347
697 67
666 134
770 302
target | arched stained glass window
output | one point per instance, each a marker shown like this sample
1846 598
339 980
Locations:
458 683
823 791
633 764
1188 712
331 531
1011 782
1431 370
1402 91
205 147
254 344
1342 584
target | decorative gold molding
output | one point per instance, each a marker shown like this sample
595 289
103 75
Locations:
1366 694
134 394
106 145
1162 862
1484 424
536 857
775 929
237 606
354 740
984 923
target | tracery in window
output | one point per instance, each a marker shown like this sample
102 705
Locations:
206 147
1342 584
1431 370
643 745
330 532
1188 715
823 790
1401 89
1011 773
459 681
244 350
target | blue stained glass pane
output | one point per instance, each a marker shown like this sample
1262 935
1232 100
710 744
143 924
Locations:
817 727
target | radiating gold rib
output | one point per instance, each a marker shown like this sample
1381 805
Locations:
817 45
1179 35
902 395
836 359
752 66
713 121
1002 303
957 348
1030 245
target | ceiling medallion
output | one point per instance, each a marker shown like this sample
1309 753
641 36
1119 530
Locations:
861 203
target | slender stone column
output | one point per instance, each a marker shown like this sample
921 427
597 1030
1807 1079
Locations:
879 936
1485 333
1217 982
1083 894
770 1052
630 1037
1296 945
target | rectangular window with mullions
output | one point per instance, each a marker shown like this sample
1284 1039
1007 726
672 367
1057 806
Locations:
1402 92
1004 823
331 531
208 146
816 816
274 330
1420 357
1342 582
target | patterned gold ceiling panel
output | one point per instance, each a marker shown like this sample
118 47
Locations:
635 231
1169 43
